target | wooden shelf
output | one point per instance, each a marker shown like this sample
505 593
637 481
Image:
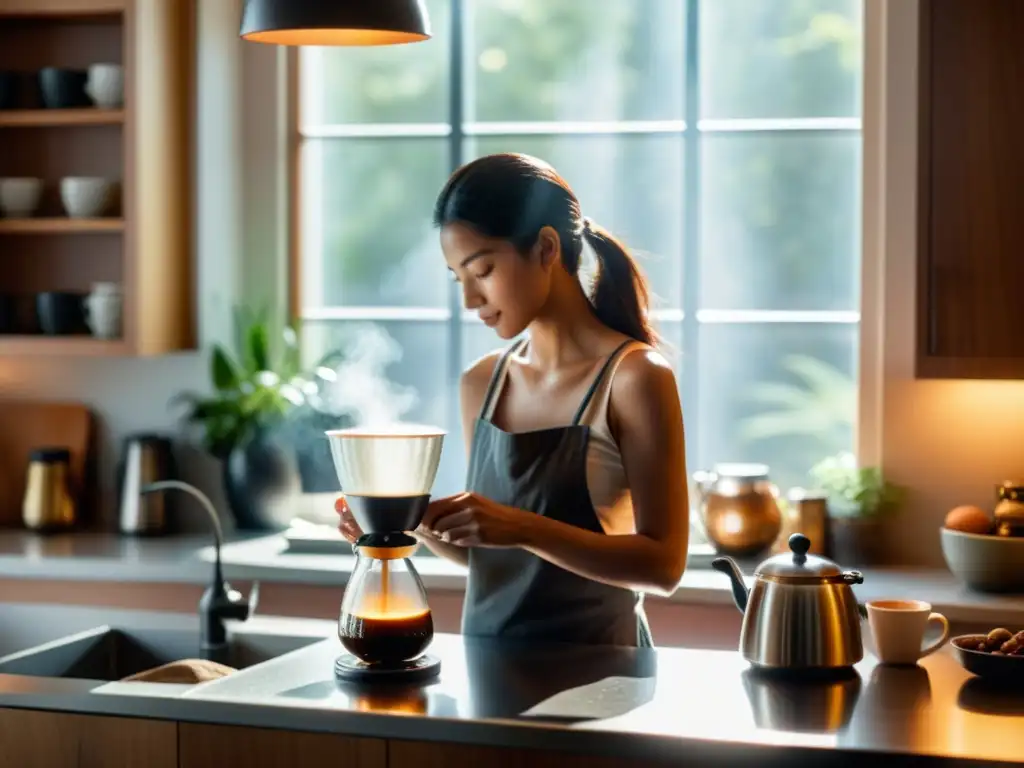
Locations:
81 346
59 226
28 118
69 8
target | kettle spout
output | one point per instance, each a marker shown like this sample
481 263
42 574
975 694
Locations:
728 566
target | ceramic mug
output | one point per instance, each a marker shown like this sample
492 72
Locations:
105 85
898 627
103 313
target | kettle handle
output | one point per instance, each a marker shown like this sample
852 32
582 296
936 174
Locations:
853 577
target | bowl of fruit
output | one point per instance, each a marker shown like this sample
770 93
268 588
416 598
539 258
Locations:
998 656
984 549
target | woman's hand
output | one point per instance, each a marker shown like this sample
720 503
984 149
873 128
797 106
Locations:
470 520
348 526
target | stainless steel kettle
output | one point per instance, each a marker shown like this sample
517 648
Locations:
145 459
801 613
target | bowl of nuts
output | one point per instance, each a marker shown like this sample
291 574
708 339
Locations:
999 655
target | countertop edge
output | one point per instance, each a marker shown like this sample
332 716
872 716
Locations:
188 560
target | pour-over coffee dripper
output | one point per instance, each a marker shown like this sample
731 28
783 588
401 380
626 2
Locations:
385 623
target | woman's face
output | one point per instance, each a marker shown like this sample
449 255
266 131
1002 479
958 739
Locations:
506 289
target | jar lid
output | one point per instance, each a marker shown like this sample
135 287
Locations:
50 455
806 494
742 472
797 564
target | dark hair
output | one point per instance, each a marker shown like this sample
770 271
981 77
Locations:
512 197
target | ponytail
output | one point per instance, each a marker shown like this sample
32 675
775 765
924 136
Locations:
619 295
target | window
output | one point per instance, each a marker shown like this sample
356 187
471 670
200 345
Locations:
720 138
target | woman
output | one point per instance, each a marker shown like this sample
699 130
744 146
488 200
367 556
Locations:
577 497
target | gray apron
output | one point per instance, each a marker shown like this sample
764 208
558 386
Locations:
513 593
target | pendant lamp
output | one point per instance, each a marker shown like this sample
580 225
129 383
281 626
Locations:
335 22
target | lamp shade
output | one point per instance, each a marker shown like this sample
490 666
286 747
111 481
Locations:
335 22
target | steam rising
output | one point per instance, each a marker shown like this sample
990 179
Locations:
361 390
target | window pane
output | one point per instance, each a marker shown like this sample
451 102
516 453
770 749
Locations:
780 58
780 221
633 185
368 238
783 395
544 60
380 84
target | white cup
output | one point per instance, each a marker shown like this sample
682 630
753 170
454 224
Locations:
19 198
103 314
105 85
898 627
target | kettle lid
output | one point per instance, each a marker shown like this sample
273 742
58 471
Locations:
797 564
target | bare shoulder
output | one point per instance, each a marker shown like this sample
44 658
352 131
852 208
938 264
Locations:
476 378
643 370
644 387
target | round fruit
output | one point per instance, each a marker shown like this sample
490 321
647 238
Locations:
969 519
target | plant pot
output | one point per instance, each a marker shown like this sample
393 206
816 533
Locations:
854 541
262 484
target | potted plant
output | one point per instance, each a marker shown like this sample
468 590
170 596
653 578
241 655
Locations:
859 499
252 420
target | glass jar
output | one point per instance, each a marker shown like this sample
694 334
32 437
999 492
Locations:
385 619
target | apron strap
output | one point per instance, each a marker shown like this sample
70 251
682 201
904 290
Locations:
597 380
497 376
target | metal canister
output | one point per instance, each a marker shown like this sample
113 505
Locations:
48 504
809 514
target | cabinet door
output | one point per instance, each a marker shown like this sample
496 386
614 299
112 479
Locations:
971 195
422 754
216 746
57 740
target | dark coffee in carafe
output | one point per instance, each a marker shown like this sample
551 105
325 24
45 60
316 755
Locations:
386 638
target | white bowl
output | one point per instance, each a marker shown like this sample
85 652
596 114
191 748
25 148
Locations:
19 197
86 197
985 563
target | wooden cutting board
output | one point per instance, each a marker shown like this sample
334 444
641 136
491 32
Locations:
26 425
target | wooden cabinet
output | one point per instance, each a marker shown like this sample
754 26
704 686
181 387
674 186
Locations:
141 239
971 190
422 754
216 746
31 739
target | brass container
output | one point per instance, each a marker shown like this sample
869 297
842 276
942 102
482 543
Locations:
48 504
739 508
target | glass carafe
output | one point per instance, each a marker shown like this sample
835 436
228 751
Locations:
385 619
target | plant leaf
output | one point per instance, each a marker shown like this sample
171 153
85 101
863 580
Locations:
223 371
257 347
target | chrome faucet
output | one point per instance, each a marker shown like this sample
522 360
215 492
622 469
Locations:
219 602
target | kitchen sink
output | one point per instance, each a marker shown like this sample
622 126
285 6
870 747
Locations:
110 654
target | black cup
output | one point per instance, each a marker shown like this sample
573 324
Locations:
8 315
63 88
18 314
9 82
61 313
